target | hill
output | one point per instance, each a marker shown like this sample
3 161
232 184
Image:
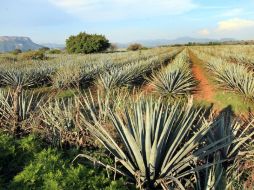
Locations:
10 43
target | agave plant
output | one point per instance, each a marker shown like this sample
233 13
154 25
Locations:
18 78
236 152
69 75
17 112
210 178
61 123
233 76
160 145
175 80
126 74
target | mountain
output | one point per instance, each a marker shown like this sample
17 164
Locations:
53 46
182 40
10 43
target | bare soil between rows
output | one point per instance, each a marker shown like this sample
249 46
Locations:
205 91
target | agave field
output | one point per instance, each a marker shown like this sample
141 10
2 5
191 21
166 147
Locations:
162 118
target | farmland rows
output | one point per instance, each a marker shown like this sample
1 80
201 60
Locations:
75 71
162 141
236 77
236 54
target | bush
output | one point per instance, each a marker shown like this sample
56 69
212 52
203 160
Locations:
135 47
50 171
26 164
86 43
33 55
14 155
16 51
55 51
44 49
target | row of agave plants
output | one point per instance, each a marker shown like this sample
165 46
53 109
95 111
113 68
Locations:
237 53
232 76
156 144
75 70
176 79
135 72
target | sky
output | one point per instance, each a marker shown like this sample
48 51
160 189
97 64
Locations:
53 21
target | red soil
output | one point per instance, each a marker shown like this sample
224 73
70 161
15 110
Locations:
205 91
148 88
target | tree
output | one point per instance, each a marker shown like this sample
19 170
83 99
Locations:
135 47
87 43
16 51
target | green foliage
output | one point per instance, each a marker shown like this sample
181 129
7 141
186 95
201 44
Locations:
26 164
49 171
86 43
135 47
15 154
44 49
16 51
55 51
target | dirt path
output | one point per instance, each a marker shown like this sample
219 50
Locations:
205 90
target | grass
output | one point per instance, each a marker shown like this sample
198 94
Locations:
237 102
66 93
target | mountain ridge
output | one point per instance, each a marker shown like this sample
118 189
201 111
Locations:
10 43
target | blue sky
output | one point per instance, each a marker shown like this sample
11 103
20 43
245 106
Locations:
52 21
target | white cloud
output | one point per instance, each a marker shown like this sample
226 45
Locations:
232 28
234 24
204 32
123 9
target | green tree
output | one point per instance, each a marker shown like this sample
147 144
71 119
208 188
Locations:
87 43
16 51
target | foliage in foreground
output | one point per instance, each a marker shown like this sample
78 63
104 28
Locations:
28 164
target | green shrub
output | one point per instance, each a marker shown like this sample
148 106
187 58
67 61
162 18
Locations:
87 43
33 55
15 154
135 47
55 51
44 49
7 154
50 171
16 51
